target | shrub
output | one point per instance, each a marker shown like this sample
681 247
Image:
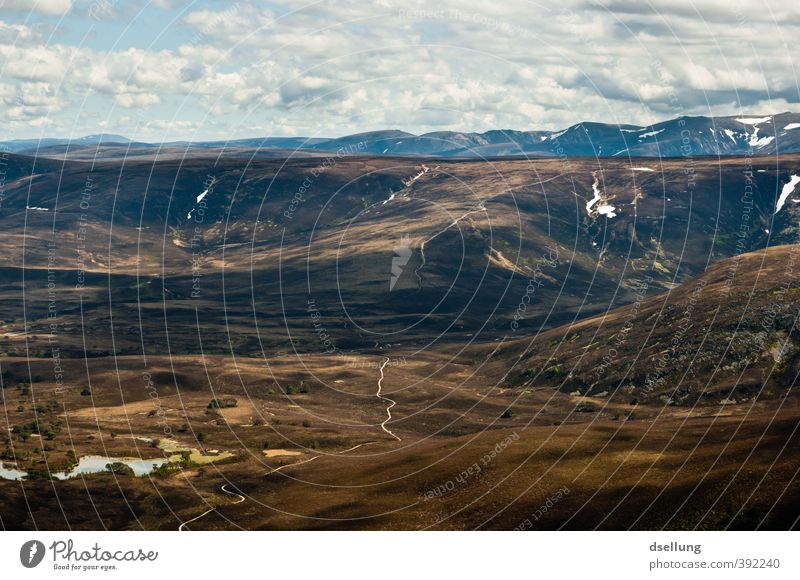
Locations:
507 414
86 392
552 372
119 469
166 469
306 423
223 403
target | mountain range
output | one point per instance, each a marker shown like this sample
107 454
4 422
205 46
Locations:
682 136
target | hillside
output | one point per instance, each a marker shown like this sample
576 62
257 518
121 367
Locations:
343 339
264 236
725 337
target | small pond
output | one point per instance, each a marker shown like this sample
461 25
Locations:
89 464
11 473
97 464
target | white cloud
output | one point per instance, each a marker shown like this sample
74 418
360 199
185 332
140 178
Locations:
136 100
7 93
18 34
332 66
32 100
236 24
48 7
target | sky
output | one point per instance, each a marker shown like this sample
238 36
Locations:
160 70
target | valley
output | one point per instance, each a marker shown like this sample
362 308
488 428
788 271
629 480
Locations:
389 342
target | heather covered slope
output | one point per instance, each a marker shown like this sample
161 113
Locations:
372 336
728 336
265 236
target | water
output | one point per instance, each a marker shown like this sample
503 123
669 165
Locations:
11 473
97 464
89 464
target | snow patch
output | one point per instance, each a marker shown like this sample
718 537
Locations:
198 199
597 197
650 134
603 209
729 133
641 169
791 126
754 141
34 208
763 142
787 191
413 178
607 210
754 120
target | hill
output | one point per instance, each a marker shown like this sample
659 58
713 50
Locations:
725 337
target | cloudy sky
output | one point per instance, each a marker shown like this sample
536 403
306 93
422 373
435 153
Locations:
183 69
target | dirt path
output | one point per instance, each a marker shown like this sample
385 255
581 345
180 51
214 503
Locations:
391 402
479 207
275 470
240 498
353 448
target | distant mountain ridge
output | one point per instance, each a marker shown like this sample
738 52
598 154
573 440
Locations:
682 136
